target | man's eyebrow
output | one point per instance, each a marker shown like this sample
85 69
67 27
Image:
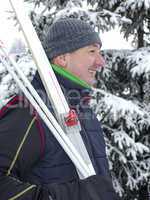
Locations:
94 45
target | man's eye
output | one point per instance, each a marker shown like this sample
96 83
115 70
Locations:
92 51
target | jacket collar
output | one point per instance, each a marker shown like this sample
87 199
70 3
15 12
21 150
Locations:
75 93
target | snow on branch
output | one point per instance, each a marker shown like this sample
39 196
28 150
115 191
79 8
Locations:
140 62
118 105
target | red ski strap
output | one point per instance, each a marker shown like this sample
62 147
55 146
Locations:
72 118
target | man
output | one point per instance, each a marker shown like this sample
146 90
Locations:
32 163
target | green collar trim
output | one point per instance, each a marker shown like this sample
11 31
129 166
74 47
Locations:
65 73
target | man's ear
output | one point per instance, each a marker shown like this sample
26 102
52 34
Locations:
60 60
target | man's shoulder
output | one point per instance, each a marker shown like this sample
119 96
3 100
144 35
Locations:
16 103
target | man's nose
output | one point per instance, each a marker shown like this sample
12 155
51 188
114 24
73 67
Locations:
100 61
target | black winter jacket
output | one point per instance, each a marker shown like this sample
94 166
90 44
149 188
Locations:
25 164
55 159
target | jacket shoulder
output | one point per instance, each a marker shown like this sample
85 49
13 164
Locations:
19 129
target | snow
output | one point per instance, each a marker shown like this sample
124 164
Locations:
125 122
119 106
2 68
137 4
7 85
18 47
147 4
141 62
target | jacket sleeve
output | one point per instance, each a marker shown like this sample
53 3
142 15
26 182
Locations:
11 189
19 152
92 188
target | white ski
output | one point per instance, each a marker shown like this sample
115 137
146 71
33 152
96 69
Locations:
43 111
51 84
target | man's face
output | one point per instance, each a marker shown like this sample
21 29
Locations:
84 62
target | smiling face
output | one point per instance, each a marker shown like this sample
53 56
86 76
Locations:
83 62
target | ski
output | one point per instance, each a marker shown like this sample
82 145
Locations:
43 111
52 87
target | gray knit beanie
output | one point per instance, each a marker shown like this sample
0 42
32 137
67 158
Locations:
68 35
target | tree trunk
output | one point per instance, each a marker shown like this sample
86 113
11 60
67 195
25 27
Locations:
140 35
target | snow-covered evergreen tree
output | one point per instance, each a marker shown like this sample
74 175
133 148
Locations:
131 15
124 114
94 13
122 100
138 11
8 87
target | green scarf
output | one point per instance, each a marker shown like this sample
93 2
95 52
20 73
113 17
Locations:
65 73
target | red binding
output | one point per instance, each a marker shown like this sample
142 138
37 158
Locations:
72 118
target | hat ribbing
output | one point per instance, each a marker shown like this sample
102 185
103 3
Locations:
68 35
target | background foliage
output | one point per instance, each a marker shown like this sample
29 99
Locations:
121 101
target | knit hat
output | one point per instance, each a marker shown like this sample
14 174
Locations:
68 35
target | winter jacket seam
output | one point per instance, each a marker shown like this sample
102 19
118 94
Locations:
20 146
22 192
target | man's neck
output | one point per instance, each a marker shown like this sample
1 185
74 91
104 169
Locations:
65 73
